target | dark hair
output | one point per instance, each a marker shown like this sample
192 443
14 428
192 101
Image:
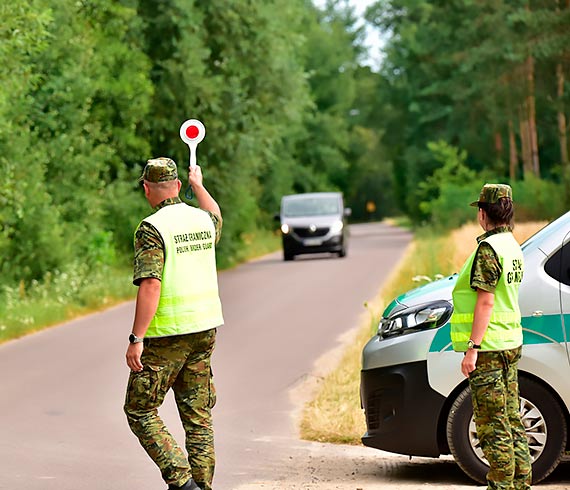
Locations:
500 213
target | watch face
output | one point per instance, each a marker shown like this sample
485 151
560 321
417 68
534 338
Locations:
132 338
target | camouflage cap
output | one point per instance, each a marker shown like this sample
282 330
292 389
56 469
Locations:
159 170
491 193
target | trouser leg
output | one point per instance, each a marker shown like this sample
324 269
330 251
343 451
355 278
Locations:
195 396
145 394
523 465
488 389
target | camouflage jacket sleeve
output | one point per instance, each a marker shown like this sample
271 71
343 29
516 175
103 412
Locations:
217 225
487 269
149 253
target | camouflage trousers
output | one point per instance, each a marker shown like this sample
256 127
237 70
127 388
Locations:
180 362
495 395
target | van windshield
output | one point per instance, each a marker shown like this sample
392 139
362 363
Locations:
311 206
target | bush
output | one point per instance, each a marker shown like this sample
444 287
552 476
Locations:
447 192
537 199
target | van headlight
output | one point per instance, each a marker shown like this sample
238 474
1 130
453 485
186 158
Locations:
337 226
285 228
415 318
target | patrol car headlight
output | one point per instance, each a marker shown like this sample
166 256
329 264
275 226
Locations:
337 226
285 228
415 318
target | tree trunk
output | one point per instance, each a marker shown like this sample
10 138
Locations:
525 141
531 105
562 117
498 146
513 156
560 79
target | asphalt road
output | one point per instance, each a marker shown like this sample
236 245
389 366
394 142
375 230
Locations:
61 420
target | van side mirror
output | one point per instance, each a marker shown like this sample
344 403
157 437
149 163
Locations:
277 217
347 212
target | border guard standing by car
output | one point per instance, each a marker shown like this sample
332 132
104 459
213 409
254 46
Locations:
177 312
486 326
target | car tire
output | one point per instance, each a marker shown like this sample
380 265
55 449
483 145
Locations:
287 256
342 252
542 415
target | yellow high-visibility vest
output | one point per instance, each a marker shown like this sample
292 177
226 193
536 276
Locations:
189 298
504 330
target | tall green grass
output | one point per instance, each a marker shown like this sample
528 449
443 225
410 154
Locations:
27 308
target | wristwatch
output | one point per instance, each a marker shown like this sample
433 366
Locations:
472 345
133 339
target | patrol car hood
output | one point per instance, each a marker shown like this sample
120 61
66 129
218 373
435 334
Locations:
432 291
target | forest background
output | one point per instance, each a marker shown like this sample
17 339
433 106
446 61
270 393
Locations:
467 91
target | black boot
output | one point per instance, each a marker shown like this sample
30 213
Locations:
189 485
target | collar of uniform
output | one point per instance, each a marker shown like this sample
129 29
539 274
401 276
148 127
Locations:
167 202
494 231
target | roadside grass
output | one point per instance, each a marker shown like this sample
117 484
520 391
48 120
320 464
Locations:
334 414
259 243
62 296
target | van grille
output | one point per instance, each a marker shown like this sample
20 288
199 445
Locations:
305 232
382 407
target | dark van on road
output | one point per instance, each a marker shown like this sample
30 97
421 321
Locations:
313 223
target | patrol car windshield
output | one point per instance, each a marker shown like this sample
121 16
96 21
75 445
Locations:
311 206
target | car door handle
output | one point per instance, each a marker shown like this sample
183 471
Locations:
537 313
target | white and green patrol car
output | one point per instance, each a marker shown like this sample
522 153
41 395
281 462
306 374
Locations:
416 400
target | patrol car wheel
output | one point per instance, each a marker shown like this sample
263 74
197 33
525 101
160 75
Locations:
287 255
545 429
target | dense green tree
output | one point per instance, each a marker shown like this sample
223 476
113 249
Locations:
30 233
479 75
76 99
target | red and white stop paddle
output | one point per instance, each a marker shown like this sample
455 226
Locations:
192 132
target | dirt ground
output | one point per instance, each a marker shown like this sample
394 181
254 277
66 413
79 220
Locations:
315 466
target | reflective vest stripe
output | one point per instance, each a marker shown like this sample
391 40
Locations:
498 316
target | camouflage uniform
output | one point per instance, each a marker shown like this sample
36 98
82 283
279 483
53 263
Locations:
494 383
180 362
495 395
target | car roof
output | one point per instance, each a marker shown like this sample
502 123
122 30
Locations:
311 195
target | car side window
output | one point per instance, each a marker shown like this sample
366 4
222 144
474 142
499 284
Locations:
558 265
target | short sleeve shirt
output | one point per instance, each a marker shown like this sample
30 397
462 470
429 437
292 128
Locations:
149 246
486 270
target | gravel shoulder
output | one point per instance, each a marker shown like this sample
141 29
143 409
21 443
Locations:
316 466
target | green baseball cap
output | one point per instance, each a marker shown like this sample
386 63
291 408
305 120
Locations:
159 170
491 193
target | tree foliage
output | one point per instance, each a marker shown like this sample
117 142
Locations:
92 89
481 76
89 90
